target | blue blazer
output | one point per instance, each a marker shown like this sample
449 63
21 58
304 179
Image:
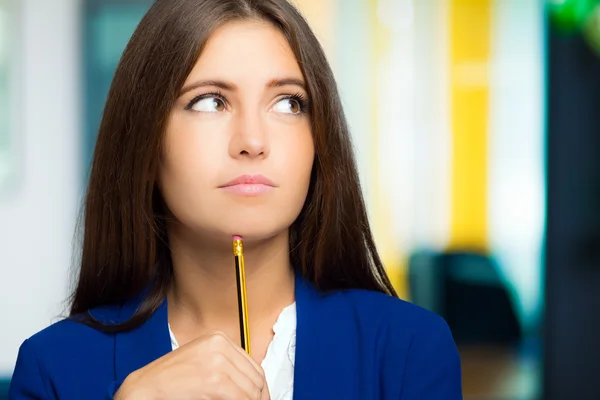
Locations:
350 345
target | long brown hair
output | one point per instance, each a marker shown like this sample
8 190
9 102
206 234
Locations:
125 243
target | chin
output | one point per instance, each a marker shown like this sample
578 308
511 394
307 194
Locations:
253 225
254 234
249 231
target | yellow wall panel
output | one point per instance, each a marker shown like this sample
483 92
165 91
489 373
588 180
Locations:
470 40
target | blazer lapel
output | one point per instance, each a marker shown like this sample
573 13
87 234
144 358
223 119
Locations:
141 346
326 342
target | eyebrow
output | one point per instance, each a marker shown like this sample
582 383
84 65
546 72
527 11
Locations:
273 83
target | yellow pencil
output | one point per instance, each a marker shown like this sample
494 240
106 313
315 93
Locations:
240 273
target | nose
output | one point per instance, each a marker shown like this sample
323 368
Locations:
249 139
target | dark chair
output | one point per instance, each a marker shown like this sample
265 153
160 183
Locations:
466 289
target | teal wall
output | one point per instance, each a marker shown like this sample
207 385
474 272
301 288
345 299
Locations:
4 389
108 26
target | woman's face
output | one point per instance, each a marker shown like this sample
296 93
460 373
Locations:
238 147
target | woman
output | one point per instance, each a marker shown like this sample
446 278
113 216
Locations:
224 119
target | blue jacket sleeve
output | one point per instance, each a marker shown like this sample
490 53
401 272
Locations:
433 368
27 382
30 383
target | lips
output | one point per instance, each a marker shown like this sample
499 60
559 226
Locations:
249 180
249 185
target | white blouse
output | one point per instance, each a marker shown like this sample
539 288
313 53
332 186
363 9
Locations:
278 363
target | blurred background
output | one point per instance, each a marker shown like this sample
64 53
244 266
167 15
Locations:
476 125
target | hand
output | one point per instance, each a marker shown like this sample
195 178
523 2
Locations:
211 367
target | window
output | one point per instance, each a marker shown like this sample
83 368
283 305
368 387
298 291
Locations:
109 25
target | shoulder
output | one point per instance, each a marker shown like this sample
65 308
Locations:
41 359
376 309
71 333
419 358
401 324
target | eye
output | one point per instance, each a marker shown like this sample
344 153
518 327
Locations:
207 103
293 105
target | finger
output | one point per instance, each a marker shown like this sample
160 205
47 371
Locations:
252 361
247 379
222 345
248 358
228 390
244 364
266 394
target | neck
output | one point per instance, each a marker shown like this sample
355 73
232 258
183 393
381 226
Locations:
204 292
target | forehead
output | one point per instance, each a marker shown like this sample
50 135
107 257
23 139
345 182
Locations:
242 50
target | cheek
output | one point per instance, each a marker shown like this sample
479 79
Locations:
296 158
300 154
188 166
193 149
